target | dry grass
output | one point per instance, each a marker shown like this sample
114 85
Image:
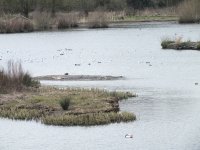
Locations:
87 107
67 20
42 20
16 25
189 11
14 78
98 20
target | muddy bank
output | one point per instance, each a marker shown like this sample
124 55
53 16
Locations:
78 77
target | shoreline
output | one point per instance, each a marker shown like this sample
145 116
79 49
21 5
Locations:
109 24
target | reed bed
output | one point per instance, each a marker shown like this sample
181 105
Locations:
98 20
14 78
67 20
16 25
189 11
42 20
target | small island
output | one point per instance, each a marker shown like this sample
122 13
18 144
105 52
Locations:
179 45
23 98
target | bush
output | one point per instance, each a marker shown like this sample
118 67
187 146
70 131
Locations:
64 103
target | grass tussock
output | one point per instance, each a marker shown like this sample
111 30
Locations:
98 20
64 103
15 79
189 11
16 25
166 41
67 107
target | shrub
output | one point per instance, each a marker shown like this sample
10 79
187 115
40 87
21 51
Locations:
64 103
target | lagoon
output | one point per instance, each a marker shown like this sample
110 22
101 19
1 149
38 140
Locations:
167 106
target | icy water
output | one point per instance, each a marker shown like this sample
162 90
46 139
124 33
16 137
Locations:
168 102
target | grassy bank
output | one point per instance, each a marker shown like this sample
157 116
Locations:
83 107
178 44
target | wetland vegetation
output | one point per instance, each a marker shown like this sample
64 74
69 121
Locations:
23 98
178 44
34 15
66 107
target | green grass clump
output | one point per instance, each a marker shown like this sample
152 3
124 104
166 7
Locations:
165 43
64 103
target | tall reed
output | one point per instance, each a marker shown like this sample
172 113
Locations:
15 25
98 20
189 11
68 20
14 78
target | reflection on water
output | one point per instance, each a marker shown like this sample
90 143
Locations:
167 106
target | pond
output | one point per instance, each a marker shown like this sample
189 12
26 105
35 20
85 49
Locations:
167 106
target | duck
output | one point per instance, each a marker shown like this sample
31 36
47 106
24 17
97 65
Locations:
128 136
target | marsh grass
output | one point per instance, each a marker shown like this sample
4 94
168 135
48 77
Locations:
166 41
15 79
80 107
179 44
67 20
15 25
98 20
189 11
42 20
88 119
65 102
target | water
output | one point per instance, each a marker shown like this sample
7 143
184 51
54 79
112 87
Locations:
167 106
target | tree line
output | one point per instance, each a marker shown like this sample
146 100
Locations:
26 6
